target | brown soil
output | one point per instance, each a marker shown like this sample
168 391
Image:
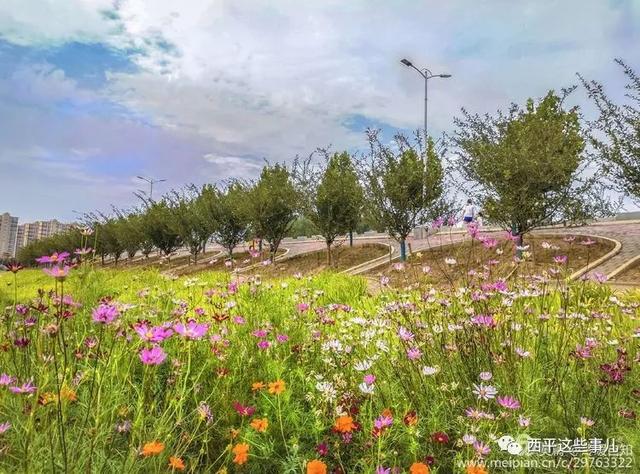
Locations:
473 256
160 262
630 275
343 257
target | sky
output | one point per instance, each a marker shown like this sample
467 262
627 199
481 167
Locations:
96 92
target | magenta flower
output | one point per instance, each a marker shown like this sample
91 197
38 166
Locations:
58 272
153 356
83 251
4 427
264 344
153 334
369 379
243 410
489 243
383 470
282 338
26 387
508 402
105 314
302 307
260 333
382 422
192 330
55 258
405 334
560 259
239 320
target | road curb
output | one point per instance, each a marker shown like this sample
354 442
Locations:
596 263
361 267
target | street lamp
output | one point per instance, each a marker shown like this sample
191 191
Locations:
426 74
151 182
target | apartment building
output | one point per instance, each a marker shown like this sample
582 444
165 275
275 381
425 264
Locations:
33 231
8 235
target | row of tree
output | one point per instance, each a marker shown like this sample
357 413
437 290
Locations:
529 166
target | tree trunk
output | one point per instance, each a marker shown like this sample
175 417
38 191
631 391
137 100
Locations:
351 238
329 254
403 249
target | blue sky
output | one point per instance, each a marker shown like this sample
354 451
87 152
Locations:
96 92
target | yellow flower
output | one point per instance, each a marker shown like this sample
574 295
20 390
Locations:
277 387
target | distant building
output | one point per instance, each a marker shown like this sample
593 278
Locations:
8 235
33 231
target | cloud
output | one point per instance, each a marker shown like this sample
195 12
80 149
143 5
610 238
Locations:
202 90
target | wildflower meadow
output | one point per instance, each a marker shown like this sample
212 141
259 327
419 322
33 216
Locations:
115 370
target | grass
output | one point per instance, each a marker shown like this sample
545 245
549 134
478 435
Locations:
346 359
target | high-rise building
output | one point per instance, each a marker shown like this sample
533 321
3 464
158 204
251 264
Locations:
8 235
33 231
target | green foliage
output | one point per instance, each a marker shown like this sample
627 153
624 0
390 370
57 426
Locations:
334 199
159 228
273 205
189 219
401 187
228 211
528 164
619 124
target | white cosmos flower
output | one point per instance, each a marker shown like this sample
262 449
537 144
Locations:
366 389
427 370
363 365
450 261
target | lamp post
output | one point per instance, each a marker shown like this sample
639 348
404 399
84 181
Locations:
151 182
426 74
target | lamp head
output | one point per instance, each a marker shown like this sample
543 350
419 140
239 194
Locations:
406 62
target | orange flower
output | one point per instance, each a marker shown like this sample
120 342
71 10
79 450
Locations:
419 468
68 394
316 467
411 418
344 424
241 450
387 413
260 424
476 469
152 448
176 463
255 386
277 387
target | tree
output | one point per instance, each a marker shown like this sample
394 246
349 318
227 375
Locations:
227 210
403 186
187 220
620 124
528 164
334 199
273 205
157 228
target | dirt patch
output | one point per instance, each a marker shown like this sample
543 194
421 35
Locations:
630 275
343 257
464 262
224 263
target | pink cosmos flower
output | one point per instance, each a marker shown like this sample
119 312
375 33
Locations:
382 422
413 353
384 280
481 449
83 251
302 307
153 356
560 259
105 314
508 402
524 421
4 427
56 258
405 334
6 379
369 379
282 338
261 333
264 344
26 387
484 320
489 243
192 330
486 376
238 320
58 272
154 334
588 242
